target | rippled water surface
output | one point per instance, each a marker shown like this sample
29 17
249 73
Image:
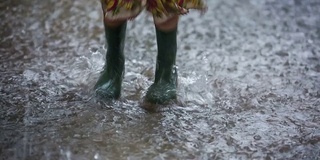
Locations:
249 84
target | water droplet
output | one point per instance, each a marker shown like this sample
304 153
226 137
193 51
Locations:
96 156
257 137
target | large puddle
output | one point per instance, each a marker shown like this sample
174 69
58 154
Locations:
249 84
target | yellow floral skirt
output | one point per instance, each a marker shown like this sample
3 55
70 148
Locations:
160 9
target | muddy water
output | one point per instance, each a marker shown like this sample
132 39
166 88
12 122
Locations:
249 84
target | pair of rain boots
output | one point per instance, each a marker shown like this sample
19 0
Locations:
164 88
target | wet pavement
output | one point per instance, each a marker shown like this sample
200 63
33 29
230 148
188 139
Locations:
249 84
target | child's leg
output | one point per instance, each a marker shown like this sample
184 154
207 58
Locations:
165 84
168 25
164 87
115 22
110 81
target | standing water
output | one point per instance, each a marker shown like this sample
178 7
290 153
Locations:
249 84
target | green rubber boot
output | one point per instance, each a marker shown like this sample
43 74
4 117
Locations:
110 81
164 88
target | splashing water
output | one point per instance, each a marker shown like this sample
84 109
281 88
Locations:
248 84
